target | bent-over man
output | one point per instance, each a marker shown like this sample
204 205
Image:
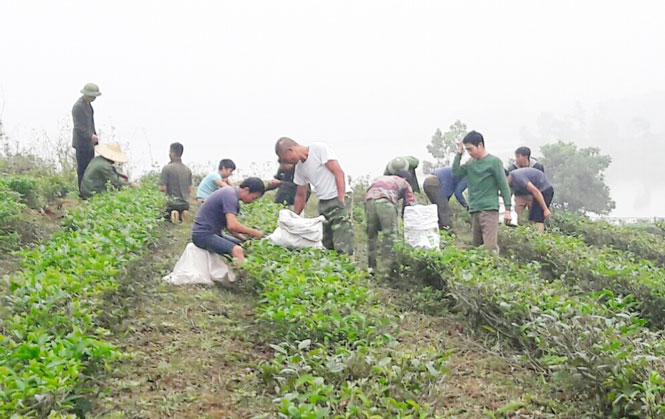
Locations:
101 171
382 211
317 165
535 183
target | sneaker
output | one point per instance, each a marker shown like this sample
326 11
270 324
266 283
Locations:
187 216
175 217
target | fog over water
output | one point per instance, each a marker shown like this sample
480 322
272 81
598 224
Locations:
374 79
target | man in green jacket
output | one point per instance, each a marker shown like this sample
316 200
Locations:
100 172
486 178
84 136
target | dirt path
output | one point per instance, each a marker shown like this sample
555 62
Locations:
195 351
192 347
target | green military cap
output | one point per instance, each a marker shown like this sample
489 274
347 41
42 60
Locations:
91 89
413 162
397 164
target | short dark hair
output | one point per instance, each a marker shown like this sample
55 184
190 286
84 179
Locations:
253 184
523 151
474 138
177 149
227 163
284 144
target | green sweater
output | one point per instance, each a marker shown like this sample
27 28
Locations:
486 179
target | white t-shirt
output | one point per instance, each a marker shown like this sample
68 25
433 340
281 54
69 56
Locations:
314 171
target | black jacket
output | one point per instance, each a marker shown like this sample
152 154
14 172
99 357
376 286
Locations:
84 124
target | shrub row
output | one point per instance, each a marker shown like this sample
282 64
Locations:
591 343
50 336
10 212
604 234
36 191
592 268
337 352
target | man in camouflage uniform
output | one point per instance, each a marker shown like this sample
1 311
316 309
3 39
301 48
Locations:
381 208
317 165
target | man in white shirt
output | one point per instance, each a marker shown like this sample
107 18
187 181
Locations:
317 165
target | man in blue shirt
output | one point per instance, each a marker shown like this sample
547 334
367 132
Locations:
214 181
219 212
439 187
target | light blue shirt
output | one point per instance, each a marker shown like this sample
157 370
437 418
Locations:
208 185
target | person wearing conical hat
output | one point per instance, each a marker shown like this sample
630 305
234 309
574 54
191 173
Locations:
408 163
84 136
100 172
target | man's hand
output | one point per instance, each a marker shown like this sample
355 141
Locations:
547 214
94 139
507 217
257 234
460 147
275 182
342 199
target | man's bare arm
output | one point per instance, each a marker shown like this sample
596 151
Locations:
336 170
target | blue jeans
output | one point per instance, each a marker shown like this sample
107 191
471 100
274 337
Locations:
217 243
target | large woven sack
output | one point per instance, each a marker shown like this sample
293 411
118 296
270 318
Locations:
296 232
421 226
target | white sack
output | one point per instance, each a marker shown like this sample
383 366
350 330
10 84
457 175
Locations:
199 266
421 226
296 232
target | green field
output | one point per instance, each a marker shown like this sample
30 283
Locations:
568 324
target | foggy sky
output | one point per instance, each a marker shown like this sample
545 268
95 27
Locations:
374 79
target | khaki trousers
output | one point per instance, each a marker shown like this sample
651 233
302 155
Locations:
485 228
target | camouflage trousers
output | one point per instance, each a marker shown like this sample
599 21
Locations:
382 215
337 229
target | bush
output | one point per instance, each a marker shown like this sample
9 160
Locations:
10 212
51 337
592 269
594 344
604 234
338 353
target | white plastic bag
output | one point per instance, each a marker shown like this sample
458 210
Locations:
199 266
296 232
421 226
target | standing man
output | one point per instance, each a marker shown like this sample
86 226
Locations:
84 136
408 163
523 159
382 210
176 181
439 187
486 178
533 182
317 165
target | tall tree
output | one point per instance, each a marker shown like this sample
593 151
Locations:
443 146
578 177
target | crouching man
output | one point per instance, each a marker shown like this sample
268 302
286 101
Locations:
219 212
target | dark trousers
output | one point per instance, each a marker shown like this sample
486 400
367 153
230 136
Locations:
432 189
83 157
218 243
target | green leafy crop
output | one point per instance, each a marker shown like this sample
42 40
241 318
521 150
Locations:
50 336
